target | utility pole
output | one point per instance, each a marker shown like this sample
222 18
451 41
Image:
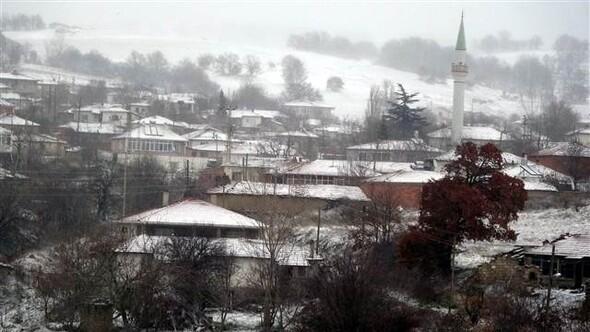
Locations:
452 297
550 276
317 237
125 180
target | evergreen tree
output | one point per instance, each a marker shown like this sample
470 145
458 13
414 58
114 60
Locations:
404 119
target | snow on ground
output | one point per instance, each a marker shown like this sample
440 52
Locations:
532 228
358 76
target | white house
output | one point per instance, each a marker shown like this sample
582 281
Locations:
308 109
392 150
479 135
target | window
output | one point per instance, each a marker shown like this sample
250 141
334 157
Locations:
150 145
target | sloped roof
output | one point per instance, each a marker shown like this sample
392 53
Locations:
5 103
192 213
207 134
320 191
156 132
574 246
413 176
538 186
565 149
289 255
307 104
297 133
12 76
507 157
268 114
13 120
396 145
472 133
321 167
160 120
93 128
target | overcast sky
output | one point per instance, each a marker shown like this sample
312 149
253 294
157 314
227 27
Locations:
271 21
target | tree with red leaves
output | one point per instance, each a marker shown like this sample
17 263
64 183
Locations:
474 201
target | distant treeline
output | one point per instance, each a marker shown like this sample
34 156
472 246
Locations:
503 42
20 22
142 70
324 43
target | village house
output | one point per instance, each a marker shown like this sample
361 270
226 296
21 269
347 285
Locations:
571 266
336 172
141 109
6 140
106 113
240 150
303 141
150 140
569 158
17 124
441 138
178 105
308 110
6 106
90 134
581 136
254 119
21 84
253 168
190 217
392 150
207 135
236 234
178 127
306 200
42 145
399 189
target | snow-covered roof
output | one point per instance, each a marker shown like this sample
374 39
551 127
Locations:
322 167
573 247
297 133
246 147
13 76
11 96
208 134
307 104
565 149
93 128
41 138
4 103
6 174
3 86
13 120
267 114
531 169
192 213
538 186
335 129
413 176
320 191
160 120
157 132
98 109
258 162
396 145
507 157
186 98
472 133
140 104
585 131
288 255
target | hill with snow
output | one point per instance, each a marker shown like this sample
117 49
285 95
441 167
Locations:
358 75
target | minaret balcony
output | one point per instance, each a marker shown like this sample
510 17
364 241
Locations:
459 68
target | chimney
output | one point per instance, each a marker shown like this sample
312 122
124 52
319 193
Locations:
165 198
525 159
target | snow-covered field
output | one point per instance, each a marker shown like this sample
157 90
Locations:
358 76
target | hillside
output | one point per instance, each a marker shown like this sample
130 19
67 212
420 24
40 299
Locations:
358 76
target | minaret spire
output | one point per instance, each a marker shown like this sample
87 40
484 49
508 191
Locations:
459 71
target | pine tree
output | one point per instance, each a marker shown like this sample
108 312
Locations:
405 120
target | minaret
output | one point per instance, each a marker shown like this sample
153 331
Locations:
459 71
